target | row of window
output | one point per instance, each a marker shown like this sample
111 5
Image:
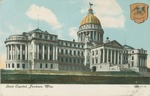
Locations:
45 47
90 26
17 46
15 65
71 44
16 58
71 52
46 65
106 51
45 36
63 67
104 59
70 60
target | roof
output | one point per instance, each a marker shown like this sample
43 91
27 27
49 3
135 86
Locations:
37 30
127 47
90 18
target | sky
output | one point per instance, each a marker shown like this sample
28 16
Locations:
63 17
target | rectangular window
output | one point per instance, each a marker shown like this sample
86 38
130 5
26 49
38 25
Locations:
70 52
78 60
13 65
8 65
40 56
40 46
66 52
74 60
40 36
51 47
132 64
46 65
74 52
51 57
96 60
93 60
82 53
62 59
70 60
40 65
23 66
62 51
66 59
45 57
132 58
78 53
51 66
45 47
18 65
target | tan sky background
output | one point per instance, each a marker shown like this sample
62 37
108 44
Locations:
3 59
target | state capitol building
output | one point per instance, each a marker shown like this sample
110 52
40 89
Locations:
40 50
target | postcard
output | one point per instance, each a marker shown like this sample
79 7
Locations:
74 47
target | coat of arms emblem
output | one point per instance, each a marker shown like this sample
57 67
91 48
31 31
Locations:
139 12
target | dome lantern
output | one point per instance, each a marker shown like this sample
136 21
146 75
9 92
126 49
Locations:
90 18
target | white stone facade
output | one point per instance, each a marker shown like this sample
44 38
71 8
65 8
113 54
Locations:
40 50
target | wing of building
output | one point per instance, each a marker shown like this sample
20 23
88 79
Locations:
40 50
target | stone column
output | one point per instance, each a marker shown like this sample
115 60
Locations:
48 52
20 52
99 36
99 56
79 37
118 57
26 52
90 35
114 56
145 62
103 55
121 57
7 46
43 52
93 36
83 36
54 52
37 51
96 36
34 51
12 52
111 51
107 56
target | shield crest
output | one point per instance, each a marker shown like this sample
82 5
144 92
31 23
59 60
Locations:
139 12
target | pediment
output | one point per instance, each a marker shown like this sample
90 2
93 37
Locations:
114 44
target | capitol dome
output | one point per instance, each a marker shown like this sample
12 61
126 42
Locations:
90 19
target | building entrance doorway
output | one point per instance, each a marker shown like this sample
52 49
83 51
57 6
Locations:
94 69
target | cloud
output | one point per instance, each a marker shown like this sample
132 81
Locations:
109 13
45 14
73 33
13 29
2 61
